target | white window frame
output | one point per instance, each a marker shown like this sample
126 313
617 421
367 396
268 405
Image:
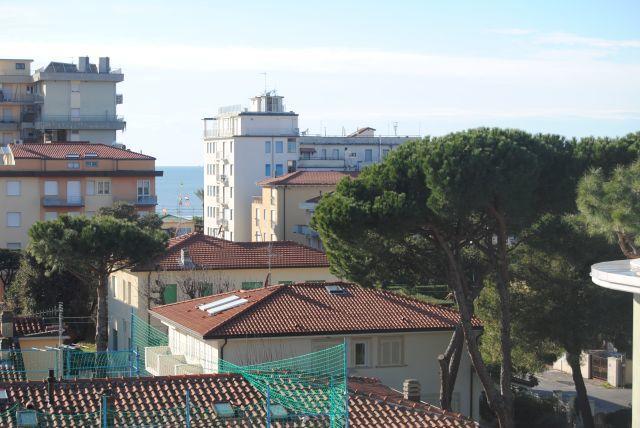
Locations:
103 187
51 188
390 340
12 216
14 188
367 352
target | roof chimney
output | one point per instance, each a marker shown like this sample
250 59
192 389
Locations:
6 324
411 390
51 380
185 258
103 65
83 64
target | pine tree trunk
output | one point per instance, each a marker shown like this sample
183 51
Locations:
582 399
449 365
102 316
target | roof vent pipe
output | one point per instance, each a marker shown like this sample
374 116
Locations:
411 390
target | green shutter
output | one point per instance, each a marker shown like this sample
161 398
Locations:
170 294
285 282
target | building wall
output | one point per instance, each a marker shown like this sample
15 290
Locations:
129 290
284 202
420 351
27 204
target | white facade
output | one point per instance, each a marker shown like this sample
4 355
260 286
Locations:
624 275
415 358
59 102
244 146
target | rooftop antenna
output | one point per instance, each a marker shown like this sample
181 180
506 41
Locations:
265 81
395 128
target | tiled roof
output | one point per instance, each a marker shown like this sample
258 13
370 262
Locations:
160 401
61 150
309 309
308 178
211 253
32 326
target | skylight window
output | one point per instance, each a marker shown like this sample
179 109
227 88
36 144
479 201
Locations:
278 411
335 289
91 155
73 156
222 304
224 410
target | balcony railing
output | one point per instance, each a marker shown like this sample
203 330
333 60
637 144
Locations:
100 121
23 99
305 230
56 201
140 200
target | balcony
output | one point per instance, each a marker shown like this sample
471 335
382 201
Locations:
73 122
141 201
19 100
223 178
8 125
303 229
56 201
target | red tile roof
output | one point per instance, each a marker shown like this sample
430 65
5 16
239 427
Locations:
61 150
161 401
308 178
309 309
211 253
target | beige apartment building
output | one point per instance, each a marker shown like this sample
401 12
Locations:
284 210
42 181
59 102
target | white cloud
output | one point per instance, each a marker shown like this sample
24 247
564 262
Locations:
570 39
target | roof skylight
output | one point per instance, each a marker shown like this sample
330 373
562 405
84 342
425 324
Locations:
222 304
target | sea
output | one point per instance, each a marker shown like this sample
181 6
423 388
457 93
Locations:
176 190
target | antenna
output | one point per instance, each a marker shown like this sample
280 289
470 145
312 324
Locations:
395 128
265 81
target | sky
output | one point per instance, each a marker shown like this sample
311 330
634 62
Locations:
432 67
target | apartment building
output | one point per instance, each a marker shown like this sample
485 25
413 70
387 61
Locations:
284 210
246 145
42 181
59 102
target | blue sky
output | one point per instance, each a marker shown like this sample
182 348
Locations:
433 67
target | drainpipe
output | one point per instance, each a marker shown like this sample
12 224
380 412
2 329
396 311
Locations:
221 357
284 212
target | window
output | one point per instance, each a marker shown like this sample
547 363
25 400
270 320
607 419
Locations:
144 188
391 351
91 164
273 216
251 285
20 66
278 146
50 215
267 170
73 165
368 155
336 154
385 153
279 169
14 246
103 187
291 147
360 354
91 187
14 219
230 169
170 294
51 188
128 299
267 146
13 188
231 192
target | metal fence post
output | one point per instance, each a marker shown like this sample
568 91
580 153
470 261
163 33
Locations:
104 411
268 407
346 385
187 415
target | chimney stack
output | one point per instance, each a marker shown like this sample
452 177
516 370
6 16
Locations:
411 390
83 64
51 380
103 65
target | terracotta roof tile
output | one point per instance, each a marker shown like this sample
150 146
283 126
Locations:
150 400
211 253
61 150
309 309
308 178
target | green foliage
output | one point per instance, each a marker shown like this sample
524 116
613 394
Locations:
34 290
91 247
531 411
9 264
127 211
610 204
